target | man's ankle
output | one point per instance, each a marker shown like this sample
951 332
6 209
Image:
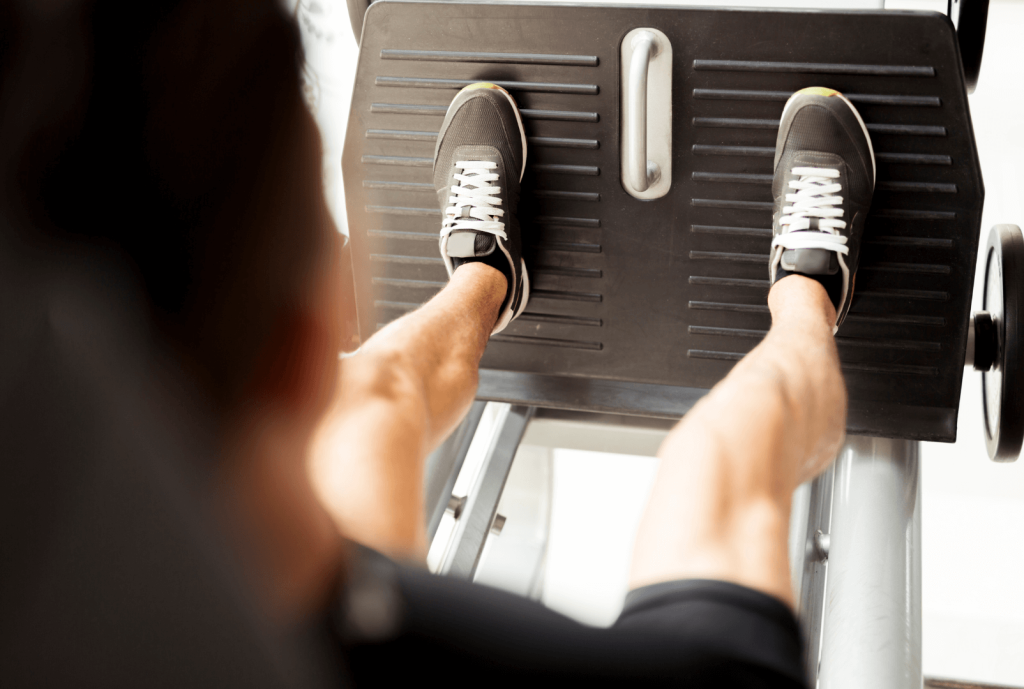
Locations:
484 283
800 296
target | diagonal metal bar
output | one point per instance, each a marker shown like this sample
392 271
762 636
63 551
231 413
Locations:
474 523
443 467
813 553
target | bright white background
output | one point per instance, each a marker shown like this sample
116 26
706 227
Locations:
973 510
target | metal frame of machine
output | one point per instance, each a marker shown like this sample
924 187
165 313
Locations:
858 525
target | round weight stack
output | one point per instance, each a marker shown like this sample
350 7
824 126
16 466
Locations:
971 19
996 352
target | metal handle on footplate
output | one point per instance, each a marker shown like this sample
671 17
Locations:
646 111
642 172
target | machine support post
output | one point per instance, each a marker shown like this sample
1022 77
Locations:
872 620
477 517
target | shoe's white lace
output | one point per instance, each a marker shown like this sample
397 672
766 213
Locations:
817 196
473 189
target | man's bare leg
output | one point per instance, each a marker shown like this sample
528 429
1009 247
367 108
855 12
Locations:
398 399
720 506
412 382
720 509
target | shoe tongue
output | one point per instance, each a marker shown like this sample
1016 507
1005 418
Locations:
810 261
470 244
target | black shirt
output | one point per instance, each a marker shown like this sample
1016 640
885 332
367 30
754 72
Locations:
695 633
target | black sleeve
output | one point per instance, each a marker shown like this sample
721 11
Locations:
688 633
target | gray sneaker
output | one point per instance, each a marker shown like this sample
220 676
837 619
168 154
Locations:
479 161
824 180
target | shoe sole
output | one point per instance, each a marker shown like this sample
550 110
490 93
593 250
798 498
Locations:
863 127
522 133
526 291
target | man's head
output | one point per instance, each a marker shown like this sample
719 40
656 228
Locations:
184 145
173 136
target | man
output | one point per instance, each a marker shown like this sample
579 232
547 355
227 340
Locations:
712 543
173 318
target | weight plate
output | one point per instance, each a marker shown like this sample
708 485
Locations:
1003 299
970 31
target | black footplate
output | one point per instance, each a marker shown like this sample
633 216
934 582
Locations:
637 306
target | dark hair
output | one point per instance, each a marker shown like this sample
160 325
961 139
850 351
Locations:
174 134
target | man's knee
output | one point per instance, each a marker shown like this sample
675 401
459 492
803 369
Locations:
760 409
386 374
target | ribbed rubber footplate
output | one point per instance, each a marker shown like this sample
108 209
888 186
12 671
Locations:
668 294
